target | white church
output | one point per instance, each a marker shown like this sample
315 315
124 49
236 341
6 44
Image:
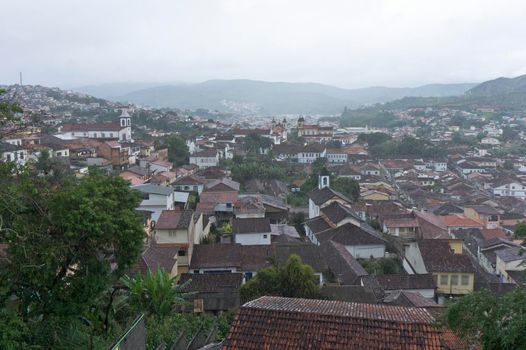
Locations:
120 131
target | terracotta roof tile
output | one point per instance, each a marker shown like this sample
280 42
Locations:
174 220
286 323
401 281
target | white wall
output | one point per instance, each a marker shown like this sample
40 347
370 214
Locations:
157 203
314 210
365 251
252 238
413 256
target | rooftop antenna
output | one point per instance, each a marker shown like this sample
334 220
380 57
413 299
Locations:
20 78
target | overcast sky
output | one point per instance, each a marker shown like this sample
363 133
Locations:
347 43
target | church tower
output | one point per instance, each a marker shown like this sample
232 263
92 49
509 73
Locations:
125 124
324 179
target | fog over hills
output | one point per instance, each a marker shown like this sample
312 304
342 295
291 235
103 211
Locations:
262 97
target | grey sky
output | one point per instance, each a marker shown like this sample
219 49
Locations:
347 43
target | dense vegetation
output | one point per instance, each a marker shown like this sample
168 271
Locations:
371 116
69 242
408 147
67 245
382 266
293 279
177 150
252 167
495 323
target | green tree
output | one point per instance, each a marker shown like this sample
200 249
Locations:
156 294
508 165
257 144
8 110
66 246
495 323
9 115
347 186
293 279
374 138
520 231
56 171
256 168
177 150
382 266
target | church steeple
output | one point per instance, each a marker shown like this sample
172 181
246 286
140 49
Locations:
324 179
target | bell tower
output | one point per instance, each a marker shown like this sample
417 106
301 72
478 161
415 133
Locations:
324 179
125 124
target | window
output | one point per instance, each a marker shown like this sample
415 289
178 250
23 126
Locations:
444 280
265 236
102 134
181 252
196 271
454 280
195 188
464 280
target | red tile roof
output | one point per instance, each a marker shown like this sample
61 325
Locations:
91 127
286 323
174 220
453 220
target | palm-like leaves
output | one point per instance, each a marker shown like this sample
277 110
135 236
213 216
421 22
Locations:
155 293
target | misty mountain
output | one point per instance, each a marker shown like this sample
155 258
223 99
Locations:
112 90
250 96
500 86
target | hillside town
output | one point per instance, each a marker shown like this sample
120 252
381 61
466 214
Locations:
395 219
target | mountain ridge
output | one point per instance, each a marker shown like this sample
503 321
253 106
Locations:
257 96
499 86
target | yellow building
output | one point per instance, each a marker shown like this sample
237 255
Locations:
452 270
375 196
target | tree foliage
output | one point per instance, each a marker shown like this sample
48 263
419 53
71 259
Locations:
256 168
495 323
520 231
257 144
8 110
177 150
156 294
382 266
67 244
293 279
347 186
407 147
374 138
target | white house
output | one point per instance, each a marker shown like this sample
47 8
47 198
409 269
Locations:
189 183
361 242
311 152
323 196
156 166
111 131
490 141
509 259
13 153
254 231
509 188
206 158
156 198
336 155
